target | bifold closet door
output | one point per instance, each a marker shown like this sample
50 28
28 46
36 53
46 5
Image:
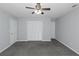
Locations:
34 30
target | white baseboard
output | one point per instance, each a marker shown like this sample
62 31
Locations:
69 47
45 40
33 40
6 47
21 40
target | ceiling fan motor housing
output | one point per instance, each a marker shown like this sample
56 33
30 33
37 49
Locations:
38 6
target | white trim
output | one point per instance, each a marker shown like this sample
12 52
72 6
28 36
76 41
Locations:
29 40
21 40
45 40
33 40
69 47
6 47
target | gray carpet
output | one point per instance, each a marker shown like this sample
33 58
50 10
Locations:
38 48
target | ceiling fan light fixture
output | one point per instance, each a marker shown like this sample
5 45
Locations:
38 11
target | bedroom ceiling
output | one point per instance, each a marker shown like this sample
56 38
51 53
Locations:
19 10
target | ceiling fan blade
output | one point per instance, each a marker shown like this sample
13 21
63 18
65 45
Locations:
75 5
45 8
30 7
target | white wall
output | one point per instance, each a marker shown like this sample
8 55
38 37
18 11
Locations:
67 30
4 30
52 29
46 30
22 28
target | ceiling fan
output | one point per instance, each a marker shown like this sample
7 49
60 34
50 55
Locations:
38 9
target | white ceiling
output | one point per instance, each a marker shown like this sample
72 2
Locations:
19 10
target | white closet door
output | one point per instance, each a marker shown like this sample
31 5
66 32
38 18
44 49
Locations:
13 31
34 30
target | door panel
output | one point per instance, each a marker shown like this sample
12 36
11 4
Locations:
13 31
34 30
